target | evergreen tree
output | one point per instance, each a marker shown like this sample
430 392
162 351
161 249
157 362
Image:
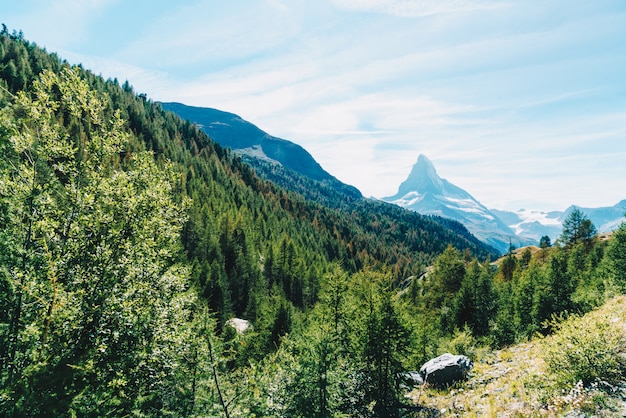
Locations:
616 254
504 324
526 298
507 267
475 304
384 340
445 279
554 292
577 227
545 242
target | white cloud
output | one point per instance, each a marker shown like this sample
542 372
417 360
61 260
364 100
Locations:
415 8
495 93
60 24
213 34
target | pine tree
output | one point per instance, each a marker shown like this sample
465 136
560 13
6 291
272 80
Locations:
476 300
445 279
577 227
616 254
384 340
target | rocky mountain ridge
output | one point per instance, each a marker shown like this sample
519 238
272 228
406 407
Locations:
248 140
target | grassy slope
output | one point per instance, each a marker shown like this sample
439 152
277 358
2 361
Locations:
515 382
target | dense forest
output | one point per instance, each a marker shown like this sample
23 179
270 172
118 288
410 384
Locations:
129 241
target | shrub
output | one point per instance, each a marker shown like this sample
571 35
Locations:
461 342
587 349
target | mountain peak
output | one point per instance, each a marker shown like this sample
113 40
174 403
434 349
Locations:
425 192
423 179
424 165
422 159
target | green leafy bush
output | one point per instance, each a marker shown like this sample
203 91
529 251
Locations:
461 342
588 349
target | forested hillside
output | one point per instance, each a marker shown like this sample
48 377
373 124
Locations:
128 240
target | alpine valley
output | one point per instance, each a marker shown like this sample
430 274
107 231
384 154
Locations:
291 166
147 270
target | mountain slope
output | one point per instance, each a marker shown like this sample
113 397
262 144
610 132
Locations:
531 223
425 192
134 238
236 218
246 139
234 213
517 381
605 219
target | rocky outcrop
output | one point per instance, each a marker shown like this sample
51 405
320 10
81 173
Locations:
445 369
240 325
440 371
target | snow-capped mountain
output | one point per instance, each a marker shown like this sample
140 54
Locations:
535 224
427 193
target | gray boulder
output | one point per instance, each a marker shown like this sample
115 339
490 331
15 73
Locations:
445 369
240 325
409 380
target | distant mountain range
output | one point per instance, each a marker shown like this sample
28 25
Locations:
535 224
260 149
427 193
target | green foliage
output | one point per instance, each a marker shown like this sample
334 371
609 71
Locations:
445 279
585 349
617 256
476 301
545 242
508 267
384 338
526 299
347 356
379 230
504 331
460 342
97 289
577 227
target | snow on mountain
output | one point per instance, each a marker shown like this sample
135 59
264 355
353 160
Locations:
535 224
605 219
425 192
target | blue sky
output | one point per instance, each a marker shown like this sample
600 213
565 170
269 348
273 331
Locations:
520 102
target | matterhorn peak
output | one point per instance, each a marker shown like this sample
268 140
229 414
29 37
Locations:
425 192
424 165
422 179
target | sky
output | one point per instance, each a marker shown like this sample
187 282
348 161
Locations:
522 103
